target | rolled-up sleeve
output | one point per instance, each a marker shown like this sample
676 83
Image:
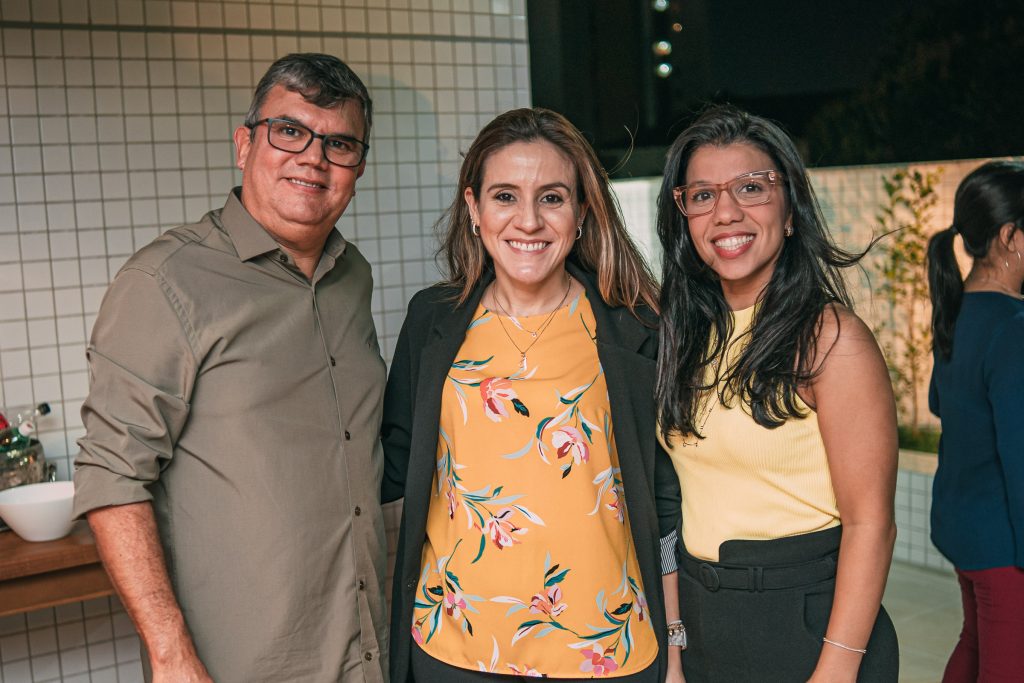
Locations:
142 366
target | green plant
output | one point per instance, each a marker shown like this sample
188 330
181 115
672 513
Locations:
922 438
905 332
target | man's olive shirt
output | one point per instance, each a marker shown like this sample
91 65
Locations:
244 401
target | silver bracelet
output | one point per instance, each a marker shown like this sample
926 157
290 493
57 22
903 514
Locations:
677 635
845 647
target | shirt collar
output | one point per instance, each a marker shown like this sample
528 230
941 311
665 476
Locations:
251 239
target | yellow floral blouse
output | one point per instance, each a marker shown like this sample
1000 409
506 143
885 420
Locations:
528 567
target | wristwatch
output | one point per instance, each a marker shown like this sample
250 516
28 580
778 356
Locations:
677 635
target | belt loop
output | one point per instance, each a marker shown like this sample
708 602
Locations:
755 579
709 577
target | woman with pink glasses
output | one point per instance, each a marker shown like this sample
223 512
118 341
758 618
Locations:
776 408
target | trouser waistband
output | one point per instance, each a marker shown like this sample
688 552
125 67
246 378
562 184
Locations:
717 575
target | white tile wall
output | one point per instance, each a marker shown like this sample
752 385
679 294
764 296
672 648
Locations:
913 521
638 199
851 196
92 640
115 124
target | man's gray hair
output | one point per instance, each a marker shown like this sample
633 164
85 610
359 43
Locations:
323 80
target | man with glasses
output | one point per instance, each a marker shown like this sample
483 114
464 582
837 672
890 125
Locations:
230 468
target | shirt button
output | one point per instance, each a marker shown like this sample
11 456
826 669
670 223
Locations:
357 511
362 584
368 656
348 437
333 362
411 585
282 258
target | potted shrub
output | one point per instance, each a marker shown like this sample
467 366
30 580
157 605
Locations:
904 331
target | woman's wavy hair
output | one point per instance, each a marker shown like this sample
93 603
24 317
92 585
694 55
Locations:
988 198
605 248
696 322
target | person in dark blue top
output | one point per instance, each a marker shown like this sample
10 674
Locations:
977 391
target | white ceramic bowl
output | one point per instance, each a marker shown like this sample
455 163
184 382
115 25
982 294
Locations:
38 512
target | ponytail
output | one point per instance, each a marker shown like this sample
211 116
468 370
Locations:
990 196
946 289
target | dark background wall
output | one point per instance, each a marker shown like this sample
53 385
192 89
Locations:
864 82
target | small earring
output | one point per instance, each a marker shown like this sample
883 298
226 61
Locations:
475 229
788 232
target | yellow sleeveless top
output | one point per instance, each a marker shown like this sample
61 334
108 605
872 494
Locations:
744 481
528 566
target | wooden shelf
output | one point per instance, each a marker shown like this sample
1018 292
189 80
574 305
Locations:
38 575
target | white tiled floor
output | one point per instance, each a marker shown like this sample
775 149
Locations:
925 607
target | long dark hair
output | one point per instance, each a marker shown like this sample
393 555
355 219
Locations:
696 322
605 248
991 196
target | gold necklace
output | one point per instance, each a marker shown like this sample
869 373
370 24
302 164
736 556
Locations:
540 330
710 398
515 321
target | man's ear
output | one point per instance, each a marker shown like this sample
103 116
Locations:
243 143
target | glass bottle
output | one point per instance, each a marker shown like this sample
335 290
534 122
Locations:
19 435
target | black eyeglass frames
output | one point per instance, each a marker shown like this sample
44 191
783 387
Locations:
289 136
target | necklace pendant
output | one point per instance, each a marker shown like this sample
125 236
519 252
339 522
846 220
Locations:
522 361
533 334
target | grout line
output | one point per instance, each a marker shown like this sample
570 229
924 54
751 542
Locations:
297 33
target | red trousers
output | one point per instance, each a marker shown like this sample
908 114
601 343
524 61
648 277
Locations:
991 647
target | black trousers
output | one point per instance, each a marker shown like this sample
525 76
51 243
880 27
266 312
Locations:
760 612
426 669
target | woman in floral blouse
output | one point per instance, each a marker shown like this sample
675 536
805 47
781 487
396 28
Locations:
519 427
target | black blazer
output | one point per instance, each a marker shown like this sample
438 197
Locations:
431 336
